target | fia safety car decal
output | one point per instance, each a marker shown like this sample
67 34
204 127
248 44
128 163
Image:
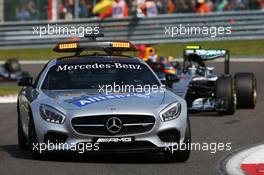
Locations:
90 100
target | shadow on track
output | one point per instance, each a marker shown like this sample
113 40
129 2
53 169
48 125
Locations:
15 152
206 114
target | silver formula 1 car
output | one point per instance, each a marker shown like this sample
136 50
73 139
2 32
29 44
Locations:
204 90
66 104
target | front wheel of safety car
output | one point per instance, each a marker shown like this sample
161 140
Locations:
180 155
33 144
22 141
246 87
225 90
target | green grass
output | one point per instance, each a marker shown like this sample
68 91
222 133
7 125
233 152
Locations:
248 48
30 54
9 90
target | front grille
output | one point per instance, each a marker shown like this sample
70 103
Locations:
96 125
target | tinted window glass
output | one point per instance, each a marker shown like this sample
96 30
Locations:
94 75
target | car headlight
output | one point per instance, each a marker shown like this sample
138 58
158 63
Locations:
51 114
171 112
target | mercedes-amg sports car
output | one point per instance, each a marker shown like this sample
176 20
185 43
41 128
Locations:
68 104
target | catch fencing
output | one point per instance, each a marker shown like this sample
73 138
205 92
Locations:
243 25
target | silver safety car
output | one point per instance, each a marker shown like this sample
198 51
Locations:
67 104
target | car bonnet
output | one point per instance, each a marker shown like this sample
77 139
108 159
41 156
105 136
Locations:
91 101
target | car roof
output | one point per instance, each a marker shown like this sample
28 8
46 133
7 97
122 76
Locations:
97 58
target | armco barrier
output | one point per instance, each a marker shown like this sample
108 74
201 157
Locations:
244 25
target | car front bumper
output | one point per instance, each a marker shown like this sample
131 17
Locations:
159 137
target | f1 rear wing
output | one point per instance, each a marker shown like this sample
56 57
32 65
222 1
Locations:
208 54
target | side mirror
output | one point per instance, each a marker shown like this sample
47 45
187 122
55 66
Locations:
176 64
171 78
25 81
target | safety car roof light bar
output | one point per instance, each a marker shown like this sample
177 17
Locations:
107 46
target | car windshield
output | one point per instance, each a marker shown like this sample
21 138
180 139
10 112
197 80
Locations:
94 75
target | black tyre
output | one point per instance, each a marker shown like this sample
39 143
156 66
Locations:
22 141
180 155
12 65
32 140
225 90
246 88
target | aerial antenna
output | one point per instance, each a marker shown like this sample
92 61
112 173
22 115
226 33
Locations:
93 37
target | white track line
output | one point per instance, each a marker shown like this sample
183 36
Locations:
8 99
252 155
30 62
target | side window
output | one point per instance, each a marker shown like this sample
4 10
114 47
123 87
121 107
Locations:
39 75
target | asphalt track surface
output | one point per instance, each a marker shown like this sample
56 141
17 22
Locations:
243 129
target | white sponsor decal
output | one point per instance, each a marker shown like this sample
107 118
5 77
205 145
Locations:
98 66
115 140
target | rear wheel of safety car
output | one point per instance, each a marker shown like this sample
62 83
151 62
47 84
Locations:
180 155
225 90
246 87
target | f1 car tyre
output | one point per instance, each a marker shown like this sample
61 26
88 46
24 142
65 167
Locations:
22 141
246 88
225 90
180 155
12 65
